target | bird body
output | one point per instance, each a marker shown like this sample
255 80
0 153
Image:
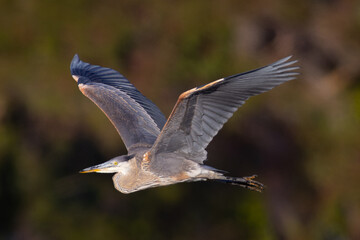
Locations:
164 152
134 174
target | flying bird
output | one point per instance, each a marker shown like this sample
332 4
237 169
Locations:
163 152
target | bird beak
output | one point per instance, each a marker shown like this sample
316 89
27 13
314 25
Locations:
88 170
103 167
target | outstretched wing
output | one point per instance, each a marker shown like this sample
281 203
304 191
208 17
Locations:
136 118
201 112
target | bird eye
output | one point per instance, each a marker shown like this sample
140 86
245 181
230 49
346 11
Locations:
115 163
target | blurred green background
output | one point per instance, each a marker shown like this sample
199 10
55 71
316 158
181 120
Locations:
302 138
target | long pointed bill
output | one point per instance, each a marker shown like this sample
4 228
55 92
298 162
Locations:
89 170
103 167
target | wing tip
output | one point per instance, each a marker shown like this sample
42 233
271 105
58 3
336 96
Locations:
75 59
281 61
76 65
285 60
285 67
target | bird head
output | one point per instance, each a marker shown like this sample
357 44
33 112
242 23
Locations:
117 164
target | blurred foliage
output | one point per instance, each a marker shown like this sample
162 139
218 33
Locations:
302 139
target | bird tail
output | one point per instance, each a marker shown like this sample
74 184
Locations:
245 182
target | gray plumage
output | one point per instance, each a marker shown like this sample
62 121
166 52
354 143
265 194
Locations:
162 153
123 104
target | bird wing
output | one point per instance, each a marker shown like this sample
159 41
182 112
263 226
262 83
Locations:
202 111
136 118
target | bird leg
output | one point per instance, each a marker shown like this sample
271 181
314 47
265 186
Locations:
245 182
254 185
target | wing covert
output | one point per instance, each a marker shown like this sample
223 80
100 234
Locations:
201 112
136 118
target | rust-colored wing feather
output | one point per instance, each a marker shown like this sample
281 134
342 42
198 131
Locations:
137 119
201 112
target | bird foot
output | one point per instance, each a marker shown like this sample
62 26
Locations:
252 184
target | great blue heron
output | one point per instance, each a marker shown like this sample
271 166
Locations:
164 152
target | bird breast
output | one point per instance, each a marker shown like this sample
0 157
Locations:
134 180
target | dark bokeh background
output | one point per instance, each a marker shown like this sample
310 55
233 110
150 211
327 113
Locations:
302 138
